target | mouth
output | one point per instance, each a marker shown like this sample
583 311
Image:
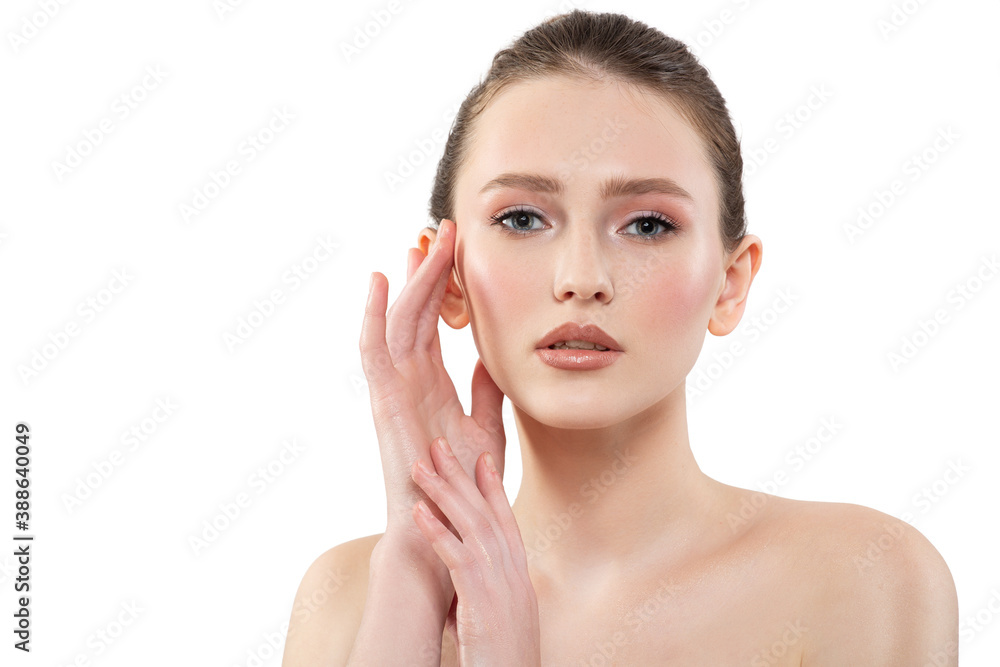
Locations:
573 336
577 345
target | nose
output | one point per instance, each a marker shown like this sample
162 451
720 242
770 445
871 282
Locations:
581 267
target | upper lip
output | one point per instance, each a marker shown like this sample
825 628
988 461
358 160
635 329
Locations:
585 332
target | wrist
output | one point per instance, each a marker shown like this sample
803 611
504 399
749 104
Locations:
401 556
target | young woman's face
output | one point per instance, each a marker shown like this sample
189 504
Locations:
560 212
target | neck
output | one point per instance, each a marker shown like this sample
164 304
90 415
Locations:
600 498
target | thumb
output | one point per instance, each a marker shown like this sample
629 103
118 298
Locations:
487 402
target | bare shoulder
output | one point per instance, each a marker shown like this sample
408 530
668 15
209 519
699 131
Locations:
328 605
876 589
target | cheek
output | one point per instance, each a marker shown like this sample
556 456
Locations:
500 290
674 303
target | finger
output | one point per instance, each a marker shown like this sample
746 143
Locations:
451 623
375 358
413 259
451 484
487 407
457 496
464 565
406 311
459 559
427 326
435 348
490 484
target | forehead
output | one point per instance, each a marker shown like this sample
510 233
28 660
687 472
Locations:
584 131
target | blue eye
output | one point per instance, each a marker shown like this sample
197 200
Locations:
647 224
520 221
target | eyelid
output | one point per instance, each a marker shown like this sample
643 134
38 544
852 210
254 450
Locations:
669 223
667 220
517 208
499 217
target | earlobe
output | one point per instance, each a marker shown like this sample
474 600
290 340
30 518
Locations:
745 261
453 310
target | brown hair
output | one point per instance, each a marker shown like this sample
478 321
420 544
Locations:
592 45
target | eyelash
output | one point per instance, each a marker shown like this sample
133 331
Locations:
668 224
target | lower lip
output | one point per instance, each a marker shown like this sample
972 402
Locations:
578 360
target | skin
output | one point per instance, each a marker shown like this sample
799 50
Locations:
634 555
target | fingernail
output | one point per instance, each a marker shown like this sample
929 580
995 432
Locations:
423 509
490 463
424 468
445 447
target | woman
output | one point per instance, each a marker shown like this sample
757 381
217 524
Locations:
591 230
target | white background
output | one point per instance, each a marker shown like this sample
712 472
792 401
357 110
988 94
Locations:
323 176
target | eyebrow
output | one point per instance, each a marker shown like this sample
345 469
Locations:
616 186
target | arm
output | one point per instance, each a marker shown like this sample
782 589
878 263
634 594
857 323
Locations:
495 620
397 615
407 603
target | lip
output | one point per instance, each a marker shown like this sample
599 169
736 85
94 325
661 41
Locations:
590 333
578 360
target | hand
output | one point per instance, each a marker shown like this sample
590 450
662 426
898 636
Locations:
413 399
495 618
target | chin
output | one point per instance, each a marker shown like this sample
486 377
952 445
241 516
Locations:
575 411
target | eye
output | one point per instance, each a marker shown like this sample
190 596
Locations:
649 222
520 220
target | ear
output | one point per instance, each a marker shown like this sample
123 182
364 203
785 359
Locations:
743 264
453 310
